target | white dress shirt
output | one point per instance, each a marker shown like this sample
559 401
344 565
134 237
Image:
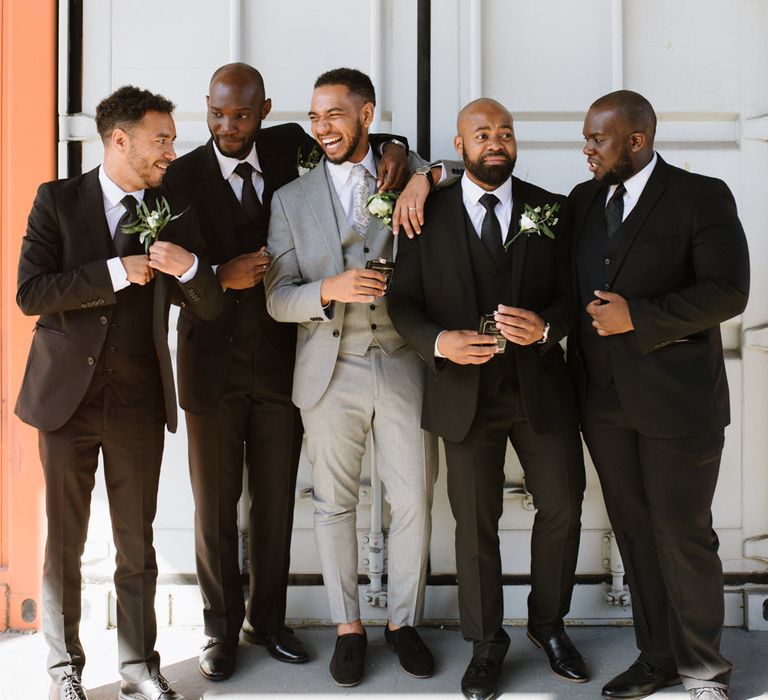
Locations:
634 187
343 183
114 209
471 194
228 165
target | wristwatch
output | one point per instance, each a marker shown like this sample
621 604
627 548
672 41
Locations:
426 171
545 335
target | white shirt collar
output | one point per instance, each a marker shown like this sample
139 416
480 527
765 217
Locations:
342 172
472 191
227 165
635 184
113 195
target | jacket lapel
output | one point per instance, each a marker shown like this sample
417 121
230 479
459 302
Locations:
320 195
92 201
455 232
577 224
212 195
518 248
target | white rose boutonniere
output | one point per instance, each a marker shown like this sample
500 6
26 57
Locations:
304 165
382 205
538 220
148 223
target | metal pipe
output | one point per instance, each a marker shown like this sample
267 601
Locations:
475 49
235 30
423 77
617 45
375 595
618 594
376 58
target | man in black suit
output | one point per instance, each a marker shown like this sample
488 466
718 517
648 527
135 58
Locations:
236 373
660 261
472 259
99 374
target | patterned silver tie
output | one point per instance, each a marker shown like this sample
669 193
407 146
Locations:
361 193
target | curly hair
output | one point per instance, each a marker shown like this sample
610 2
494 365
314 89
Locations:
126 107
357 82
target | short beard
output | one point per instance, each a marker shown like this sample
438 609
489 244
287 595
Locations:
353 144
491 175
242 153
622 171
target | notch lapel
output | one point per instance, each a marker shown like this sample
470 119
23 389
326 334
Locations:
520 245
213 196
92 201
456 234
320 194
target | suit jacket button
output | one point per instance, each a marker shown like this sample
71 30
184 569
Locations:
100 301
112 348
373 307
336 334
103 320
606 286
228 338
366 250
110 371
83 305
91 361
373 326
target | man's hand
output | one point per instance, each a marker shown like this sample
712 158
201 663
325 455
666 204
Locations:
137 269
610 313
519 326
393 168
409 208
170 258
244 271
353 286
466 347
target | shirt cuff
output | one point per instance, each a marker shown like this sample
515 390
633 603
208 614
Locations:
189 274
437 352
117 274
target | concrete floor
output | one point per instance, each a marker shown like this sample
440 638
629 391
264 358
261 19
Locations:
607 650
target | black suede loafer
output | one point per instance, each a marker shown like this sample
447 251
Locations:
564 659
481 679
415 659
640 680
217 660
281 644
348 661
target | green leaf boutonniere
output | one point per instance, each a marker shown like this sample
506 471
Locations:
382 205
538 220
148 223
304 165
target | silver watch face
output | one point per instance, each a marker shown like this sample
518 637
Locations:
423 170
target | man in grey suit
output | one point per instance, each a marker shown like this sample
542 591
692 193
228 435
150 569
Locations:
354 374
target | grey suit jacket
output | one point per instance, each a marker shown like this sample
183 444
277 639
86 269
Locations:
305 240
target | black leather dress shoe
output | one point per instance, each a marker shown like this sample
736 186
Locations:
481 679
564 659
348 661
415 658
69 689
282 644
217 660
156 688
638 681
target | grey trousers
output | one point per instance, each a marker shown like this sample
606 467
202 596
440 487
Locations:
382 394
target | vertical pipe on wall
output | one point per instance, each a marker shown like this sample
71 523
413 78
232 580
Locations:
475 49
617 45
423 80
235 32
376 58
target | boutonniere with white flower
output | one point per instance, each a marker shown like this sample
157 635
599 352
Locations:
304 165
536 220
382 205
148 223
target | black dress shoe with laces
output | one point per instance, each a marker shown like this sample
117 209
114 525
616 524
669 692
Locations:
638 681
69 689
155 688
415 658
564 659
282 644
348 661
217 660
481 679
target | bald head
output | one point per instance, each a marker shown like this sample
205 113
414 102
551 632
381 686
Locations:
236 106
486 141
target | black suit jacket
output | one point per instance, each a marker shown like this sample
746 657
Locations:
205 347
683 266
433 290
63 277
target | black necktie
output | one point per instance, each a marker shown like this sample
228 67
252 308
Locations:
614 211
490 231
127 243
250 199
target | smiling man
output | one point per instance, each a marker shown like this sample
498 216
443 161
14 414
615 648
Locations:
99 376
354 374
471 262
661 260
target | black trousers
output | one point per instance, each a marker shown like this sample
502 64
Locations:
658 493
554 475
256 421
131 441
